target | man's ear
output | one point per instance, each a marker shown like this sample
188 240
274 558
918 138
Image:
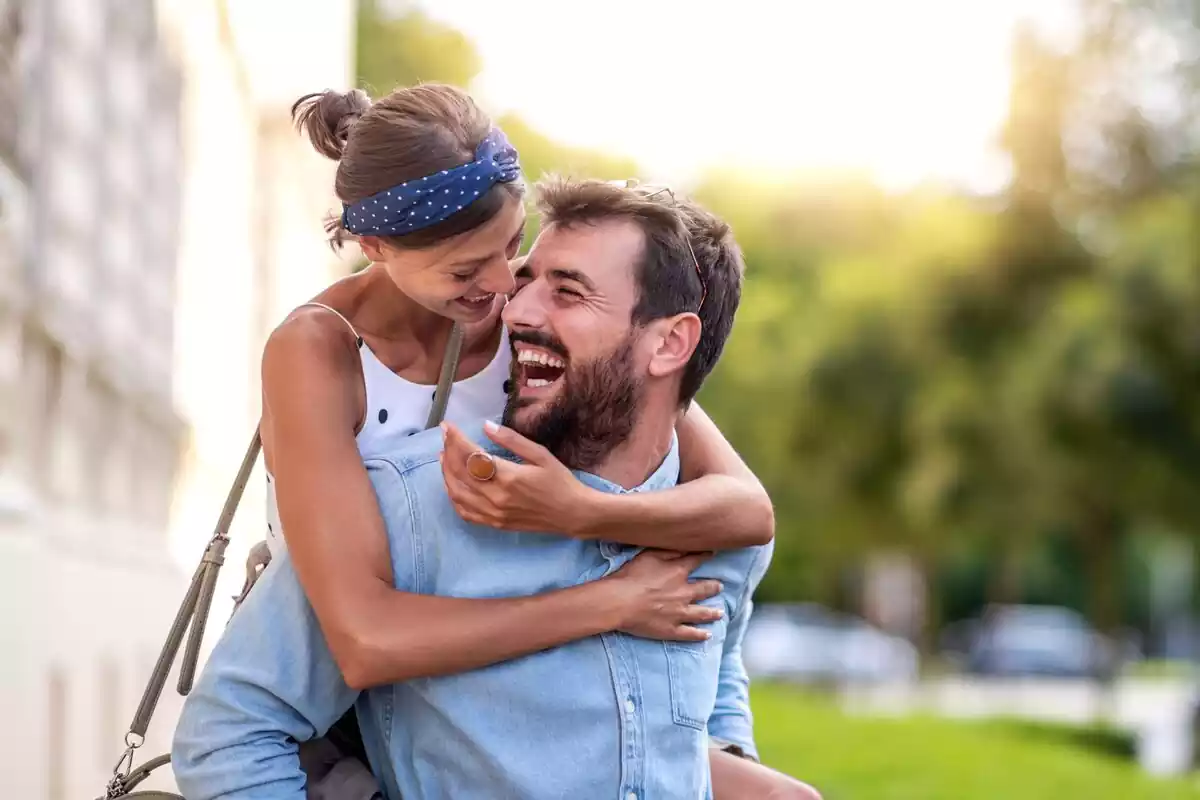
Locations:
372 247
673 339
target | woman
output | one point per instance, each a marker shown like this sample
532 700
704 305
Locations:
354 368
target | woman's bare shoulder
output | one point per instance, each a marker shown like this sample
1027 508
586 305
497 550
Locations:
310 335
321 328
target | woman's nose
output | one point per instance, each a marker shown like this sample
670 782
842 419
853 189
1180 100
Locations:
497 278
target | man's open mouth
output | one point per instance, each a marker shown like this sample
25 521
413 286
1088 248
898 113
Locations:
538 368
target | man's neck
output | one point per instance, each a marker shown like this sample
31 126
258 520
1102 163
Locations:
633 461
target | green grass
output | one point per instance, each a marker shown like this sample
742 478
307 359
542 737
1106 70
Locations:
1158 668
922 758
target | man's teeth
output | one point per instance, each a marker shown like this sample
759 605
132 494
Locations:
538 357
535 383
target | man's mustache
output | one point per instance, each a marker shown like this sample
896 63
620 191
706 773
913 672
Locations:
538 339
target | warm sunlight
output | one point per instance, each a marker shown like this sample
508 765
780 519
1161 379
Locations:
903 91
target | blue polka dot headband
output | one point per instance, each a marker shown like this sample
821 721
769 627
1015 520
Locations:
427 201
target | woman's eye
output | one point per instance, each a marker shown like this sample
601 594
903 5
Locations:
514 246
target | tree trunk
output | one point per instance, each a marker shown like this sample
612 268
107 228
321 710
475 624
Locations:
931 611
1101 540
1005 581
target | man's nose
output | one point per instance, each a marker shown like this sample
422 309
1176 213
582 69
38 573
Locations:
496 277
526 308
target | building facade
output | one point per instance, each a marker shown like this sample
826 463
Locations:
158 216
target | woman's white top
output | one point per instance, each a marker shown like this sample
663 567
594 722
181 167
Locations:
397 407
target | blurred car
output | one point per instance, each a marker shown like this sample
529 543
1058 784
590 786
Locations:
809 643
1044 641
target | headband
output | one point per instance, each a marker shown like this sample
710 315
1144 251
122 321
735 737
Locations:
427 201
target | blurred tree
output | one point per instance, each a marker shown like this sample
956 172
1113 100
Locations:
1136 99
969 380
1033 134
542 156
399 45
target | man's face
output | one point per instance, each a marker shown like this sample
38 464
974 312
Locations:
576 378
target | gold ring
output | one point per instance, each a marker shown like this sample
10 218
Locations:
481 465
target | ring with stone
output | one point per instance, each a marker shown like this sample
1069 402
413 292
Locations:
481 465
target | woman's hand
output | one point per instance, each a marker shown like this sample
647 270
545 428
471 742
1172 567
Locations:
540 495
663 603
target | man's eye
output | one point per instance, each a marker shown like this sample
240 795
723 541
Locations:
569 293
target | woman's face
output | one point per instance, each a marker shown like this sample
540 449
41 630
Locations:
461 277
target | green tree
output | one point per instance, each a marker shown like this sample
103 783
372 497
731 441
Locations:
406 48
399 45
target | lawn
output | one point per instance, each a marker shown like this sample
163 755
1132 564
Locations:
921 758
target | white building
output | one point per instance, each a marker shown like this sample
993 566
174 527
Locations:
157 217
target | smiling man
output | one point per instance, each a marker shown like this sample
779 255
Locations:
601 316
609 349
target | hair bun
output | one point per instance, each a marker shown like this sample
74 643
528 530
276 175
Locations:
326 117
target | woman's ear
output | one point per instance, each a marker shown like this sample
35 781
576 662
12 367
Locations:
372 247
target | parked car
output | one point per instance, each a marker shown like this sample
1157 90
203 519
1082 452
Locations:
1027 640
809 643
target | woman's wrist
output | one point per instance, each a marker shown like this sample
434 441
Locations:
610 601
588 514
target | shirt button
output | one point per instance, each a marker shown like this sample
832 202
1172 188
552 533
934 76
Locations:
628 706
631 796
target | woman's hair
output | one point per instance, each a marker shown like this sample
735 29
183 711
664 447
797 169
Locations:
410 134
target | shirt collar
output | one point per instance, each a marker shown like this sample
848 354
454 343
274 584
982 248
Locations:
666 476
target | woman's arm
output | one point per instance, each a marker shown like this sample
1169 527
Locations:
735 778
339 548
718 504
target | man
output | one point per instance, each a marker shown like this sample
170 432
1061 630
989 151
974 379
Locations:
607 353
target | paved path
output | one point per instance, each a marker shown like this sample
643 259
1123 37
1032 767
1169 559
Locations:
1136 702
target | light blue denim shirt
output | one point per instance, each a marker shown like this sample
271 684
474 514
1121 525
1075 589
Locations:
611 716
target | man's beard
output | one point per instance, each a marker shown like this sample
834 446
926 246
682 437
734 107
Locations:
594 411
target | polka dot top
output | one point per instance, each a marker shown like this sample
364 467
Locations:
398 408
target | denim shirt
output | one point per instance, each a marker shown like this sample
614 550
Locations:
610 716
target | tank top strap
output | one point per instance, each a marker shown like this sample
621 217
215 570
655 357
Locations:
358 340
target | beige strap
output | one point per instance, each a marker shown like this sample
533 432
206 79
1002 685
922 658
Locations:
441 395
194 609
357 339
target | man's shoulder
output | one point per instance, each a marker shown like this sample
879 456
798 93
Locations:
417 455
741 569
408 454
749 559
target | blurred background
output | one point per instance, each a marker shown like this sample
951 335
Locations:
967 362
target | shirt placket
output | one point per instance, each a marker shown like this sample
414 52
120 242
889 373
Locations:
628 686
627 683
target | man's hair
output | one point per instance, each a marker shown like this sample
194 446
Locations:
666 274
